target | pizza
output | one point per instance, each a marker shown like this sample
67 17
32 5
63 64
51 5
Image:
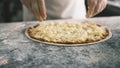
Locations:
67 32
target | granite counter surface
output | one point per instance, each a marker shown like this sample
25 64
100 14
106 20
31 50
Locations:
17 51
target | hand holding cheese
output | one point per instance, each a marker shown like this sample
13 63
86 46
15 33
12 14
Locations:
95 7
37 7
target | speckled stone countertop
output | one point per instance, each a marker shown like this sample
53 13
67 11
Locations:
17 51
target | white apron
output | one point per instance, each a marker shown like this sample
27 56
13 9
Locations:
60 9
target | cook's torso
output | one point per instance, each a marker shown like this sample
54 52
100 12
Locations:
63 9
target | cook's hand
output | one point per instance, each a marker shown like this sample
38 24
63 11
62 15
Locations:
95 7
37 7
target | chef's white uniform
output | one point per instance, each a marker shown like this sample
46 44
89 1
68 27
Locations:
60 9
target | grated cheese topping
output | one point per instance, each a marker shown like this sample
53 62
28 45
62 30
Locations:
68 32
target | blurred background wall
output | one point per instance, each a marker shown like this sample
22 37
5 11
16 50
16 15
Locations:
11 10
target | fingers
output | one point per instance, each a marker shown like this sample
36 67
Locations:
103 3
36 10
42 8
95 7
37 7
91 7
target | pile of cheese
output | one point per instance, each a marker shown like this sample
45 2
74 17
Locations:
68 32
